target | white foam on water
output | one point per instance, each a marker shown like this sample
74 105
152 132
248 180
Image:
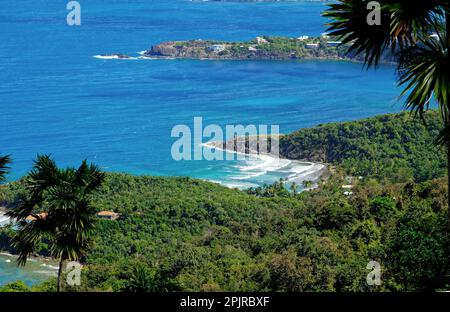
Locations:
4 220
265 168
44 272
249 176
107 57
141 57
239 185
52 267
6 254
302 172
117 57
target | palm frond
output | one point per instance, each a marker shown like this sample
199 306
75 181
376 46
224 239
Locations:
349 24
64 195
4 168
402 21
424 73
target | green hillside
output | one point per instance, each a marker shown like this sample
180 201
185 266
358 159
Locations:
184 234
397 147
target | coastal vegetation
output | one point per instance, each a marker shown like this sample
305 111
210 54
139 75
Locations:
261 48
4 162
393 147
186 234
419 35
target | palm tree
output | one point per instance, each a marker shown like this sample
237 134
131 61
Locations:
4 169
307 184
417 33
56 208
293 188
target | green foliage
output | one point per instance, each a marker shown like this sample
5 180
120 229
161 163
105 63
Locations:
391 147
310 241
18 286
418 253
4 161
184 234
58 201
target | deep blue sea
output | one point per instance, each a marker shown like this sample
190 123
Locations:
56 98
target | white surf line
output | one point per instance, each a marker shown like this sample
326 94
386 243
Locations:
299 172
258 156
311 170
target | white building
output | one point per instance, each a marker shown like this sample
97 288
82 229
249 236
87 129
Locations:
303 38
216 48
261 40
312 45
333 43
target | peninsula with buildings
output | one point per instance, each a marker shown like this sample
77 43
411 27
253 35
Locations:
260 48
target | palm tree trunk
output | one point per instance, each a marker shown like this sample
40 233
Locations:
58 286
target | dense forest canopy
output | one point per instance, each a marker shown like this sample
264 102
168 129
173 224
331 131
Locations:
396 147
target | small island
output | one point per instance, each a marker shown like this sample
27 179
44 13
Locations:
260 48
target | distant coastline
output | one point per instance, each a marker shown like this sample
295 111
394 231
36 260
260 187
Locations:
260 48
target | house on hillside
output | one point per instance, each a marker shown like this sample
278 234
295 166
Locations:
303 38
39 216
312 45
333 43
261 40
108 215
217 48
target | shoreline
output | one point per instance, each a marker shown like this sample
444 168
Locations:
30 258
47 263
261 48
320 171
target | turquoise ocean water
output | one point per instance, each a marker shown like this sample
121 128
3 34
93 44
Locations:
55 97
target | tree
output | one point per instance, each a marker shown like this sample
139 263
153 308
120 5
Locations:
141 279
56 208
307 184
4 169
416 32
18 286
